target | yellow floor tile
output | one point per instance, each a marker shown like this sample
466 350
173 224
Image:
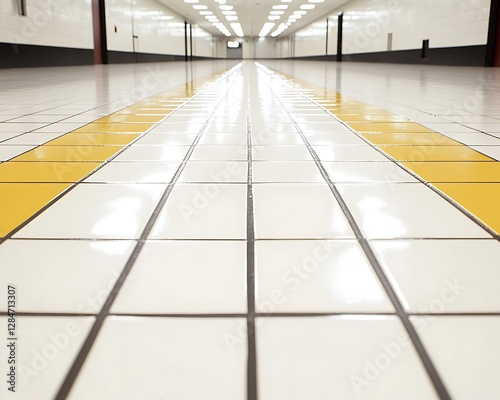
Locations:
93 139
371 117
20 201
146 111
45 171
114 128
129 118
422 138
481 199
69 153
434 153
390 127
457 171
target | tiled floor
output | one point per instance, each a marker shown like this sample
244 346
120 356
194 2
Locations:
269 230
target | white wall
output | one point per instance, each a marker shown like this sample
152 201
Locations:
367 23
65 23
267 47
202 42
159 30
311 40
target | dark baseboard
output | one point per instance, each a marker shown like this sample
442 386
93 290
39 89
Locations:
124 57
25 56
472 56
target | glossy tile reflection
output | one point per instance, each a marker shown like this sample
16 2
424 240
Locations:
255 230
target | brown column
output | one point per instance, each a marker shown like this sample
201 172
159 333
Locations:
99 24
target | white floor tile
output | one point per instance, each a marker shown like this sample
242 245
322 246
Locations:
404 211
78 275
154 153
298 211
348 153
365 172
103 211
182 277
215 172
338 357
8 152
184 359
203 212
316 276
286 171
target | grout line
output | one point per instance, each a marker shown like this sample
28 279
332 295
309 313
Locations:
251 333
404 317
105 310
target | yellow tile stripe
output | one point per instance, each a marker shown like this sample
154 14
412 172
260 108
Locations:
465 175
32 180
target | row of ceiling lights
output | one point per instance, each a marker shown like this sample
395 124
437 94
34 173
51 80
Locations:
228 12
231 16
277 12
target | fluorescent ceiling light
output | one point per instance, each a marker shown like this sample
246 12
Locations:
229 12
273 17
226 7
316 1
200 7
276 12
191 1
237 29
307 6
266 29
299 12
280 7
231 17
206 13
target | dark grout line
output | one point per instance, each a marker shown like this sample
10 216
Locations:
87 345
252 393
439 386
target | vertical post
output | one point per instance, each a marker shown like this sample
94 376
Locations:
190 42
185 41
327 29
99 28
493 44
339 36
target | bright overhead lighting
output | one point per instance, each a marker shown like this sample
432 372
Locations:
299 12
295 16
286 1
220 1
266 29
206 13
276 12
288 23
280 7
200 7
229 12
231 17
226 7
233 44
273 17
191 1
316 1
307 6
237 29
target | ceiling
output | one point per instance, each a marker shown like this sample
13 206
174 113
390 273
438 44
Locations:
252 14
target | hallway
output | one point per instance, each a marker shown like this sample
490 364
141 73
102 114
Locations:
344 216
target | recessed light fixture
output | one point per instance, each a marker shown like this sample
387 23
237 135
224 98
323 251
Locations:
226 7
299 12
191 1
316 1
273 17
276 12
229 12
231 17
266 29
307 6
200 7
206 13
280 7
237 29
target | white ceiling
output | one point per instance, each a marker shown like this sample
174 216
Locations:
252 14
